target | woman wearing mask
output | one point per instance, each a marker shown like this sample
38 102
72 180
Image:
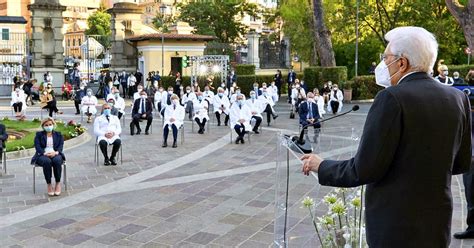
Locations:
173 119
48 100
18 103
49 154
443 74
89 103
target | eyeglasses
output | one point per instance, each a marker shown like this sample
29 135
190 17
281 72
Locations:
384 56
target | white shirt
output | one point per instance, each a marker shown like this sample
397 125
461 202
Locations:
102 126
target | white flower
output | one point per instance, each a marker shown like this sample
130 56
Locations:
308 202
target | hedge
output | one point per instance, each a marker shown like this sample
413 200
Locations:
462 69
364 87
315 77
244 69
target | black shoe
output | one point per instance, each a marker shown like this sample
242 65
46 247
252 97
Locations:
165 144
237 140
275 116
77 113
256 131
268 124
132 129
218 124
106 162
112 161
242 140
226 124
200 131
146 132
464 235
174 144
139 131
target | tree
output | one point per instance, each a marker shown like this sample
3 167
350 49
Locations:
220 18
463 15
322 36
99 24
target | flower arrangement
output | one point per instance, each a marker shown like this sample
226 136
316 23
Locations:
5 118
78 128
342 226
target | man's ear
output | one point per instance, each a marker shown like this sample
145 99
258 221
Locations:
404 64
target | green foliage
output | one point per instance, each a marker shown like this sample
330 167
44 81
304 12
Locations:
99 24
316 76
297 16
364 87
219 18
218 48
244 69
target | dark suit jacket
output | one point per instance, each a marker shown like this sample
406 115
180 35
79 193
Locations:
136 107
3 135
40 144
416 136
303 112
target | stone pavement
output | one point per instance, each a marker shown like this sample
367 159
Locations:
207 192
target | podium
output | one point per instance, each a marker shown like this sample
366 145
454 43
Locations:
316 223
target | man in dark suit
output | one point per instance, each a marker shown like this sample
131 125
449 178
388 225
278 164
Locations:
278 81
309 115
408 152
142 109
3 139
468 181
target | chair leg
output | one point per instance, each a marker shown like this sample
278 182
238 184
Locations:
231 136
4 160
34 180
121 154
182 134
65 176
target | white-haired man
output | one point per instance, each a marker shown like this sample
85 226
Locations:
240 115
407 153
221 105
89 103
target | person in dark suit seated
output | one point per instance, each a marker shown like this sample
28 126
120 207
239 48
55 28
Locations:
3 139
142 110
49 154
406 161
309 115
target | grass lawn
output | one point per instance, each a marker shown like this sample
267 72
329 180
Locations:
29 127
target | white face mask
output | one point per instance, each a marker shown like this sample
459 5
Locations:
139 90
446 73
188 91
175 102
382 74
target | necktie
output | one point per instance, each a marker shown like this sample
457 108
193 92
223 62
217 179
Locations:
310 111
108 118
174 107
169 99
335 94
143 106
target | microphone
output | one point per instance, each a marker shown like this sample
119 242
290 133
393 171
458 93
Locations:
305 145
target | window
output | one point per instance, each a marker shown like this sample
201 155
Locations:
5 34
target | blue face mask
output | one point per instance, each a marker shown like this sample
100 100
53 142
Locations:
220 94
106 112
252 96
200 97
48 129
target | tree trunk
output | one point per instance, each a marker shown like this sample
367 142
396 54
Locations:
314 54
465 17
322 36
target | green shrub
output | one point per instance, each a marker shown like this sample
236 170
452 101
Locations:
245 82
462 69
315 77
364 87
244 69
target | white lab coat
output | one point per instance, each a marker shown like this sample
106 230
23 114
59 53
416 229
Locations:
255 105
158 97
237 114
208 95
332 97
267 100
200 109
274 94
131 80
320 102
20 97
102 126
295 95
191 97
233 98
89 102
177 114
217 102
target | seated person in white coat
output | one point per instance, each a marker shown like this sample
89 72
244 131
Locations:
187 101
200 107
268 105
18 102
256 107
298 94
158 97
88 105
274 91
142 110
221 105
173 119
233 97
166 99
107 129
240 115
335 100
208 94
119 102
320 101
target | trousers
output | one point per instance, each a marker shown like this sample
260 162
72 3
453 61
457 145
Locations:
115 148
51 166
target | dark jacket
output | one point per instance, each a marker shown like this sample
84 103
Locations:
304 110
40 144
136 107
416 136
3 135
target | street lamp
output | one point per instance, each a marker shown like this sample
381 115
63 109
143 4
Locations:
163 8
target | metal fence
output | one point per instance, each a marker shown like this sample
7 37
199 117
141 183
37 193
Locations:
14 56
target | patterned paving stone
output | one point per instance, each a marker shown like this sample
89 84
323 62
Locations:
75 239
202 238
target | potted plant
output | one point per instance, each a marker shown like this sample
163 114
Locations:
347 89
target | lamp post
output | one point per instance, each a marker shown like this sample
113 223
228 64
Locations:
163 12
357 40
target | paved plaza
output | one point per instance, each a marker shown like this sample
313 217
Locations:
208 192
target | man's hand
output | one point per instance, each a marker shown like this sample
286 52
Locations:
143 116
254 113
109 135
172 119
50 154
242 121
310 120
311 162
